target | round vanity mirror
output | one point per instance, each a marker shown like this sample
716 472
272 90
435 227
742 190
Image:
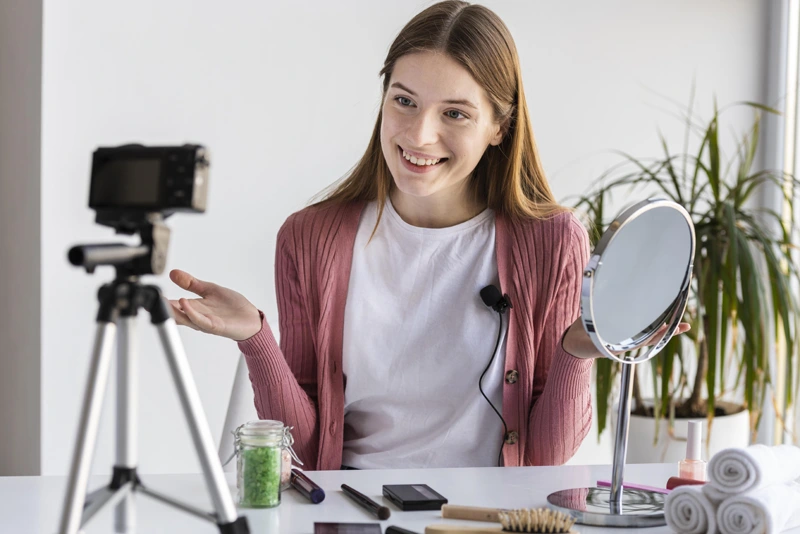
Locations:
633 296
637 280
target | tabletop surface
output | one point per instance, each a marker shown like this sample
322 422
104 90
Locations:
33 504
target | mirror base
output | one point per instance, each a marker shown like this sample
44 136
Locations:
592 506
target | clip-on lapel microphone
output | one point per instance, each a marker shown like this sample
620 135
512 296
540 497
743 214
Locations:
500 303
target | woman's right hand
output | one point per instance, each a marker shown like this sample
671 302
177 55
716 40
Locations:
219 310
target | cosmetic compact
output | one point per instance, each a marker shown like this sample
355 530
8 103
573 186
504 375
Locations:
413 497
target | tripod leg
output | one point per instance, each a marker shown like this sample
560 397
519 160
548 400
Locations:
87 429
201 434
105 496
127 418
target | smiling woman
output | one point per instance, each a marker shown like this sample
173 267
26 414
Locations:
388 355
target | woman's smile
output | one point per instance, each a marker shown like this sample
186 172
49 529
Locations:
418 167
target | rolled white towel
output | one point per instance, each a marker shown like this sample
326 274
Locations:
713 495
689 511
736 470
764 511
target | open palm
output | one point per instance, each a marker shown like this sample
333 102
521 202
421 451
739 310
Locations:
219 310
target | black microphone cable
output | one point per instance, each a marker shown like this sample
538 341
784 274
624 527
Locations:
500 303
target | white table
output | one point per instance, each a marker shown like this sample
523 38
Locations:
32 505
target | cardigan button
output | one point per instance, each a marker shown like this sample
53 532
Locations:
333 429
512 437
512 376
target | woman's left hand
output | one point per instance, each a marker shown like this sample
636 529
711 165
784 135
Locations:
578 343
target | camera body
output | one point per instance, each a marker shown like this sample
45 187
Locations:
133 189
131 181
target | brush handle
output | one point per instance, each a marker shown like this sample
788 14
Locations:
470 513
459 529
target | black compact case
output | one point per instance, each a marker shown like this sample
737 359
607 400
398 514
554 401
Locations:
413 497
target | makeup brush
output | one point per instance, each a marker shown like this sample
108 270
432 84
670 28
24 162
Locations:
538 520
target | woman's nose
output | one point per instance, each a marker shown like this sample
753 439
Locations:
423 130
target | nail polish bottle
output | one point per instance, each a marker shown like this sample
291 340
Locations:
693 466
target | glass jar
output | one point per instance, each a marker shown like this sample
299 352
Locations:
263 462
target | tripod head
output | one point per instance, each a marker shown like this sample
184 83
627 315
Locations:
150 257
133 190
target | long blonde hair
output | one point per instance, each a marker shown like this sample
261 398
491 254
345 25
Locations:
509 177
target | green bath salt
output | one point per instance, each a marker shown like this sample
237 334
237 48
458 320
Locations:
260 477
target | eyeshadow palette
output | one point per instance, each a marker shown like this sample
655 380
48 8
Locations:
413 497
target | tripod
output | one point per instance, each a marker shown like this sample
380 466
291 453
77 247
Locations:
119 303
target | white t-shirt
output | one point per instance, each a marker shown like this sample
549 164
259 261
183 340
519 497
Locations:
417 337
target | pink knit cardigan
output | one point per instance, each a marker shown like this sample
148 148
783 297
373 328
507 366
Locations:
540 264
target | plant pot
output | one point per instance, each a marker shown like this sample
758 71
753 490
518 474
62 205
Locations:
643 447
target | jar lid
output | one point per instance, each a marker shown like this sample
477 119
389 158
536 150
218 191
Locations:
262 427
263 433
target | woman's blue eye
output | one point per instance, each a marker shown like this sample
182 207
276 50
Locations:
453 113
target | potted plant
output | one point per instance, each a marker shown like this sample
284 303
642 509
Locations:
743 296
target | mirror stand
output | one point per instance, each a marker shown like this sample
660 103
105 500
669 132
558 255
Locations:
614 506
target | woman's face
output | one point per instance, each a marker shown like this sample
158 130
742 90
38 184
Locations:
434 111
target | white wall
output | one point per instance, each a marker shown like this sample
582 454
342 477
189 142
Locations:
285 95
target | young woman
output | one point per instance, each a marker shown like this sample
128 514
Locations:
383 334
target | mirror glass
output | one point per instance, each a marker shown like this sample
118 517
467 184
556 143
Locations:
642 268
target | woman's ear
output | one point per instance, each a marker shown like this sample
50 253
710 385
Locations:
500 133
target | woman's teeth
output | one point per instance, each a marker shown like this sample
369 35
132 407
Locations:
421 162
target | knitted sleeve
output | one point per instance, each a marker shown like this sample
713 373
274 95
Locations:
284 377
562 407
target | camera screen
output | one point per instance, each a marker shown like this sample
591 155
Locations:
126 183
